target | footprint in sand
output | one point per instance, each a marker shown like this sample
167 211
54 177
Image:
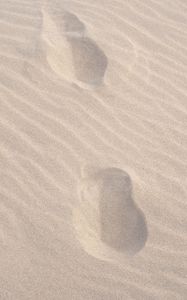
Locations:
70 52
107 221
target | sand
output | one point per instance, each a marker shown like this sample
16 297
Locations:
93 150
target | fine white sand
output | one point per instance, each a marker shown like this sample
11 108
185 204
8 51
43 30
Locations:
93 150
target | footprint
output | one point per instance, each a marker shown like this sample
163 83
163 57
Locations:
107 221
69 51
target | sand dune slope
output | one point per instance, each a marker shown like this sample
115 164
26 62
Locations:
100 84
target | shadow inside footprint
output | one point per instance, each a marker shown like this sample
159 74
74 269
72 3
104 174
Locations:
123 225
89 60
72 25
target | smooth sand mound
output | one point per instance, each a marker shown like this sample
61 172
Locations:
70 53
108 222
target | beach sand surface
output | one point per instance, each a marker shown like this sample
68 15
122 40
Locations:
93 150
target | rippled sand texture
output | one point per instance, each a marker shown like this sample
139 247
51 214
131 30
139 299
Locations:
101 84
